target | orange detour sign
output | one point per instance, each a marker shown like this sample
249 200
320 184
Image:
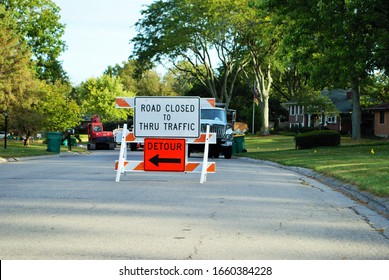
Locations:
164 154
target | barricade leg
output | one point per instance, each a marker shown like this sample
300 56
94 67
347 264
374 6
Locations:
203 178
122 154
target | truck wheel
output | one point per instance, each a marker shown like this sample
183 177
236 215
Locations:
91 146
112 146
228 153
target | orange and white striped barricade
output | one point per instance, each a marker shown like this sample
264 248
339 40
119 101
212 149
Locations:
124 102
123 165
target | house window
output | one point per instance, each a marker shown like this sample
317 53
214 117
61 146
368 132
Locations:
300 110
331 119
292 110
382 117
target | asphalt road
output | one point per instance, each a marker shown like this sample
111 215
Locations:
70 207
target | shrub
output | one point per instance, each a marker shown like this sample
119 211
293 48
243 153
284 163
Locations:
320 138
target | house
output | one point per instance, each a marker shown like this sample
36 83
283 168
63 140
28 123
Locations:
338 119
381 120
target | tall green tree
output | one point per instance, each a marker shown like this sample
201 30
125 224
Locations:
127 73
168 85
147 83
60 111
98 95
341 42
33 105
38 24
195 31
183 80
260 36
17 82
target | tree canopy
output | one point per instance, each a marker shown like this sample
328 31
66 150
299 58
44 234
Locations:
60 111
39 26
340 43
98 95
33 105
195 31
222 49
15 67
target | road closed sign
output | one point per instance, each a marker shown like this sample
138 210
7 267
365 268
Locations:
177 117
164 154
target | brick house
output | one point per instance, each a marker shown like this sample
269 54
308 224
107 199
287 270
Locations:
340 120
381 120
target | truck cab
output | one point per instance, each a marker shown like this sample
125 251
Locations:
216 118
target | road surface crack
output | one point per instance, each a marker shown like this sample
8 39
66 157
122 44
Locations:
196 248
381 231
305 183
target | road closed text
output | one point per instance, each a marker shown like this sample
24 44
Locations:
168 108
170 117
167 126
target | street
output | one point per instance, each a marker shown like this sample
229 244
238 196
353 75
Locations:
70 207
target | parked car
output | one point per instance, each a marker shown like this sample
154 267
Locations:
2 134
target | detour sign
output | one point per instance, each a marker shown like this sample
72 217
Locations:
164 154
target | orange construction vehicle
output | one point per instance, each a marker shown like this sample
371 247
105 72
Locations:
97 137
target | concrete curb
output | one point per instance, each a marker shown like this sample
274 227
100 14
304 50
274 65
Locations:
377 204
17 159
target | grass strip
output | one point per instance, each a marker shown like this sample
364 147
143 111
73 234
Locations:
363 163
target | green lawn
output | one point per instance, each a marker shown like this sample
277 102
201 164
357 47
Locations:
16 149
352 162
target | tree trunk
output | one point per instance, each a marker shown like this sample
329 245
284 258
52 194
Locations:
264 106
356 114
26 141
264 84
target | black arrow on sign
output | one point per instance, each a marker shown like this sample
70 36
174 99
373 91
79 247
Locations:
156 160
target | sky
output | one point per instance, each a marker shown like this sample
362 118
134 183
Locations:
97 34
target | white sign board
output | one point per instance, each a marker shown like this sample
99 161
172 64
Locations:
177 117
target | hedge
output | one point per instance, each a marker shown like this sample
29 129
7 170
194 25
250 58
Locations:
320 138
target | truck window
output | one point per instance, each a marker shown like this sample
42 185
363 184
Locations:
212 114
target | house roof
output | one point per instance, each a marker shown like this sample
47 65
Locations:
341 99
381 107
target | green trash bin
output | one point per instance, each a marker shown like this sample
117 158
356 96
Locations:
54 140
239 144
234 147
